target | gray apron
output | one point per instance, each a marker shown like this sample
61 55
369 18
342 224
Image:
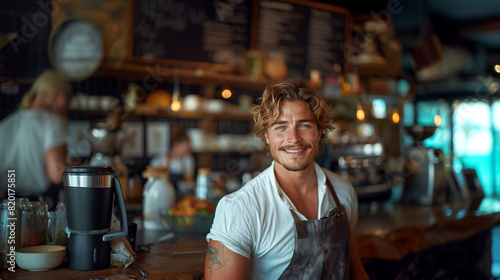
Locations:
321 246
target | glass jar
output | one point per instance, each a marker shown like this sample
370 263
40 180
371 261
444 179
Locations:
61 225
40 208
29 234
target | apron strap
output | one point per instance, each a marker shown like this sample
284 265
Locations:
336 198
300 226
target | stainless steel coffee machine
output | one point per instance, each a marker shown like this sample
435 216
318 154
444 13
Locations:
90 193
424 171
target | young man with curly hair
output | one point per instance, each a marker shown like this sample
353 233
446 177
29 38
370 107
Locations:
295 219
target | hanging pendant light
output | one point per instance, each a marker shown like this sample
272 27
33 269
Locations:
395 116
360 113
176 97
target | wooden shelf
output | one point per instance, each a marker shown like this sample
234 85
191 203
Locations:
230 114
16 80
229 152
156 73
227 114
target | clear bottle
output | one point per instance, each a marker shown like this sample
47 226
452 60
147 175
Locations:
204 186
61 224
51 235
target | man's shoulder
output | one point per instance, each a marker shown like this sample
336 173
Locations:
254 192
338 181
9 118
43 114
38 116
334 176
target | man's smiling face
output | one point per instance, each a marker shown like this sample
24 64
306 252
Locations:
294 138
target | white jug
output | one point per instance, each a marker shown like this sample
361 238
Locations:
158 197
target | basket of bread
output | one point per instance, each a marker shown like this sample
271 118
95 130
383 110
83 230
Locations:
191 215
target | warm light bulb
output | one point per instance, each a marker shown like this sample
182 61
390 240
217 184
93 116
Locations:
437 120
360 114
175 106
176 102
497 68
395 117
226 93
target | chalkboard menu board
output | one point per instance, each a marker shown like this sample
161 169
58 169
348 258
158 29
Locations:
309 35
195 30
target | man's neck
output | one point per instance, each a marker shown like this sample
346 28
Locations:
297 181
301 187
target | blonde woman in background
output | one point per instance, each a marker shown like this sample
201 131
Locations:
33 138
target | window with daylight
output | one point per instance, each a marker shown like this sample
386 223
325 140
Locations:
475 137
473 141
496 146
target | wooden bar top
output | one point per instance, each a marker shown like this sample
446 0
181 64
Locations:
390 231
156 263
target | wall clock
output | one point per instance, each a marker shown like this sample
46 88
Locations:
76 48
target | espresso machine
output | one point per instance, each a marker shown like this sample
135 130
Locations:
359 156
424 172
91 193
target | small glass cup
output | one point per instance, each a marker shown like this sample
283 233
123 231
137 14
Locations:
51 236
61 224
29 236
41 210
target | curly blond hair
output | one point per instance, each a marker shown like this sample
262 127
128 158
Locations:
273 97
49 83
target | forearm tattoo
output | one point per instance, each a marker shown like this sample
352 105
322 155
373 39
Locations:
215 258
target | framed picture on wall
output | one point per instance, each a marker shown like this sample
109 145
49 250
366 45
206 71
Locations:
157 138
133 146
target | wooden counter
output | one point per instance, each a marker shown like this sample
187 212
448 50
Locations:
391 231
415 242
157 263
387 232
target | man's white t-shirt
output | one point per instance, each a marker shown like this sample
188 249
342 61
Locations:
25 136
256 222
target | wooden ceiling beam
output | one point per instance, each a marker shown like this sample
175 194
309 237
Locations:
487 26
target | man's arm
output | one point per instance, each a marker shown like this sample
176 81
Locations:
222 263
356 269
55 160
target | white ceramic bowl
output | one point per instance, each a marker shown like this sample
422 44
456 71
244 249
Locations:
40 258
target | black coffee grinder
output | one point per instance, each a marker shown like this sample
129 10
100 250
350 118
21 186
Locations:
90 192
425 171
